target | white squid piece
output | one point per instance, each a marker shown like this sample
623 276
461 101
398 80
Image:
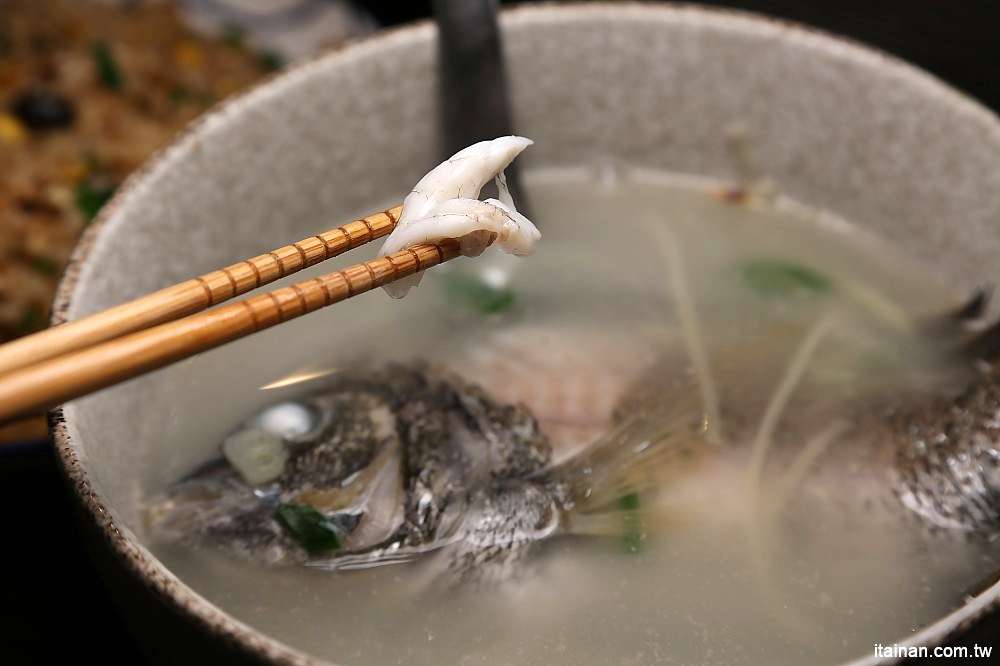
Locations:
445 204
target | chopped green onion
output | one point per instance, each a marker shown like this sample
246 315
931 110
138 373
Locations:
629 502
108 71
632 535
632 540
45 265
308 527
476 294
90 198
270 61
780 278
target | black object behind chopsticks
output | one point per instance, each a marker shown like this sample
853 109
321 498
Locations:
475 103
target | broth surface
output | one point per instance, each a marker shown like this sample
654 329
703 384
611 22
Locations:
722 578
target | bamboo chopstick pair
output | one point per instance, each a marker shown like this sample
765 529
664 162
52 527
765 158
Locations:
79 357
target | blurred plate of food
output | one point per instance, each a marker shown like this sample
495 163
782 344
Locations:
88 90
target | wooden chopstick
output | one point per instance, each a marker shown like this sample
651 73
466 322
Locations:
196 294
56 380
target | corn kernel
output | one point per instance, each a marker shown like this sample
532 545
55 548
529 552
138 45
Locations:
11 129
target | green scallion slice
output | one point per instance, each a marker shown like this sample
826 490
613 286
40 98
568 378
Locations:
474 293
632 534
308 527
108 71
777 278
90 198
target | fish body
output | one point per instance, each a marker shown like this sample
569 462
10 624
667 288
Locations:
942 456
411 462
404 461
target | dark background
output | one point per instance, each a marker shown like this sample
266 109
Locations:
959 40
52 606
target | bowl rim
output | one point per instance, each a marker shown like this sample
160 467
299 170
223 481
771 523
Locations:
153 574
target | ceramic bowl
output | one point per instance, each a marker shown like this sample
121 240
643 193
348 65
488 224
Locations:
833 124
